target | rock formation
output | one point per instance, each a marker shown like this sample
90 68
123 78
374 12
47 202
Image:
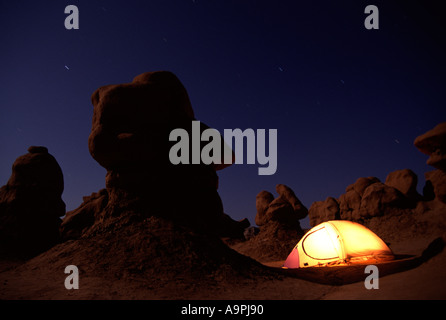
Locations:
433 143
80 219
395 203
130 139
437 180
285 209
404 181
279 227
154 221
368 198
324 211
31 204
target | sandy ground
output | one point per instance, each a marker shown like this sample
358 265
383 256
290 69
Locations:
38 279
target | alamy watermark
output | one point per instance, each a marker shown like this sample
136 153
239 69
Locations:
372 280
370 22
72 20
218 152
72 280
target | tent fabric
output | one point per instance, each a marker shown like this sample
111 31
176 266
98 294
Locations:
338 242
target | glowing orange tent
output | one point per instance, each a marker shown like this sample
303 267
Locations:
338 242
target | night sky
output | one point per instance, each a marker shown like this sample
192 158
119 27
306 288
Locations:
347 102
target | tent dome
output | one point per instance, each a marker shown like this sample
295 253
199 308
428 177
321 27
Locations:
338 242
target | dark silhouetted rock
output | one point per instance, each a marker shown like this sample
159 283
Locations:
437 179
80 219
251 232
155 221
286 208
428 191
31 204
368 198
350 202
263 199
433 143
130 138
279 227
299 210
321 211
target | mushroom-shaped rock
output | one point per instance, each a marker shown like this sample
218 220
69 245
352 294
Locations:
433 143
131 139
31 204
299 210
285 209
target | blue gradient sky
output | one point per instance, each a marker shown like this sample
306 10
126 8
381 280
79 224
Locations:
347 102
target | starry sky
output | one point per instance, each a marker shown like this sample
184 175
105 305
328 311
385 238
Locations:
347 102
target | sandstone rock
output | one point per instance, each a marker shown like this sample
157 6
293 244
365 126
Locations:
300 211
437 179
350 202
321 211
361 184
368 198
433 143
31 204
263 199
250 232
130 121
428 191
280 210
377 199
405 181
78 220
286 208
130 138
278 220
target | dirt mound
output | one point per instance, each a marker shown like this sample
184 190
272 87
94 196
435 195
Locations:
149 258
273 242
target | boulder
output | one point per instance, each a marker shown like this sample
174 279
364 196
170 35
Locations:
321 211
368 198
433 143
31 204
350 202
404 181
377 199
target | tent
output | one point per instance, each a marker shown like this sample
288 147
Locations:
338 242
